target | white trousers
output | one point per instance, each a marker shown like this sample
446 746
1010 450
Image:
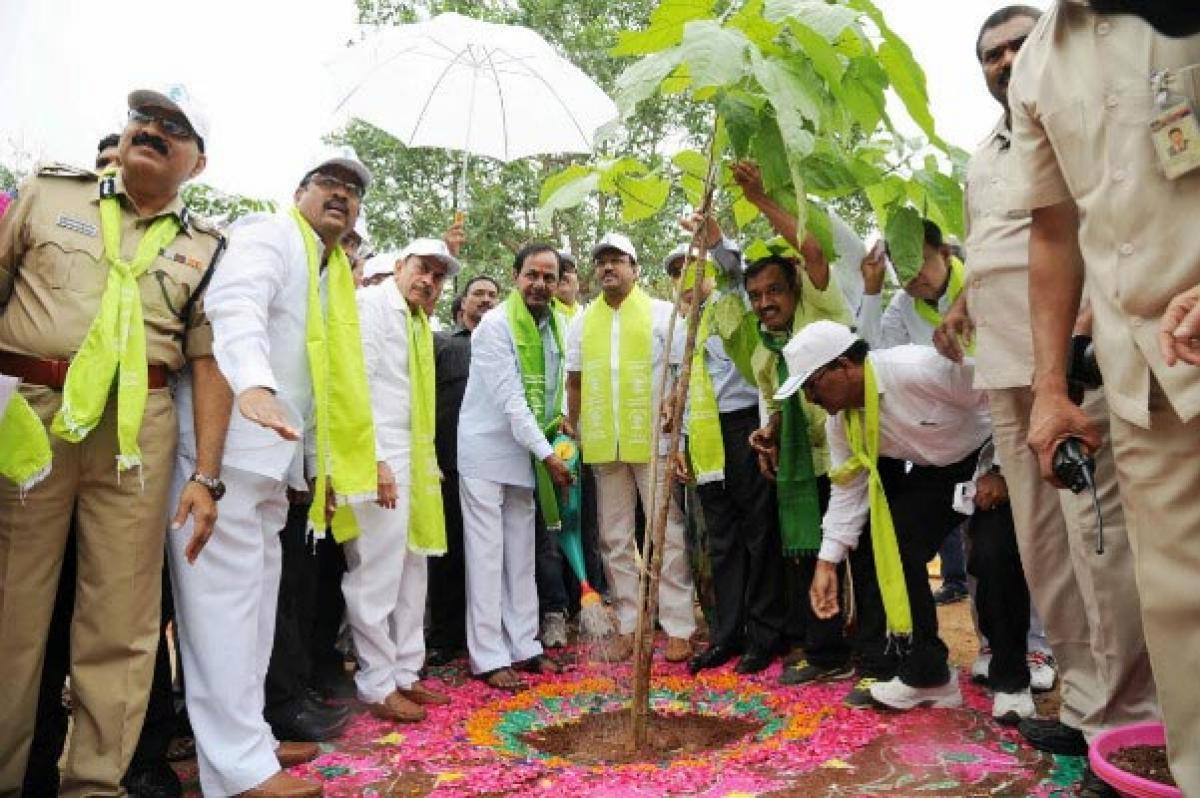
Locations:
225 609
617 489
498 546
384 588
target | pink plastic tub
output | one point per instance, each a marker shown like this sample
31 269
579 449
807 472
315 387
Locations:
1122 781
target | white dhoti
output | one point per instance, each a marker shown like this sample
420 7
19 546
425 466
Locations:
384 588
225 608
498 546
618 486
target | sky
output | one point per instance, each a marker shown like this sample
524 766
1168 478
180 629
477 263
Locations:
258 65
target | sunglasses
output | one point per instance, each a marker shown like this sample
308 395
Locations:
329 183
172 127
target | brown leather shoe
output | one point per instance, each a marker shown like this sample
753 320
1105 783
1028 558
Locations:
678 649
292 754
285 785
423 696
397 709
617 648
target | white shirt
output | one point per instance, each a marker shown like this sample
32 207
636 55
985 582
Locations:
897 325
383 319
258 305
660 320
497 432
929 414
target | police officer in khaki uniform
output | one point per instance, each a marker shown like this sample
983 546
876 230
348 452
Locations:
1086 91
53 273
1087 601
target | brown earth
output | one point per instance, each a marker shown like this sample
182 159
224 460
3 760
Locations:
1147 761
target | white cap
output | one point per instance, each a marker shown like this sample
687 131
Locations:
175 97
383 263
616 241
433 247
343 156
682 251
817 344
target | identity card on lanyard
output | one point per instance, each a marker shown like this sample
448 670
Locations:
1174 129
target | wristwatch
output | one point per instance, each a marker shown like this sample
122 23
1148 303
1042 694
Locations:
216 487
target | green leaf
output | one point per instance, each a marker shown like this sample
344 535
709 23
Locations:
559 179
945 198
691 162
740 110
862 92
665 28
827 19
641 79
677 82
641 197
825 59
768 150
908 81
883 195
715 56
905 236
750 21
827 173
821 228
567 195
794 90
744 211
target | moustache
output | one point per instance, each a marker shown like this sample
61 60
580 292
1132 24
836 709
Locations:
152 141
336 204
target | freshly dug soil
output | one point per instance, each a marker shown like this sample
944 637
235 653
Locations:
1147 761
603 737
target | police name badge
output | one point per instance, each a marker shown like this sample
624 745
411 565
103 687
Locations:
1174 130
77 226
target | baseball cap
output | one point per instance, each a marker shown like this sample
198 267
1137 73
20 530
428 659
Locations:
343 156
816 345
383 263
616 241
433 247
175 97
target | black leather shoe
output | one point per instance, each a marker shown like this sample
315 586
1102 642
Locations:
712 657
155 781
295 721
335 686
1092 786
1053 737
439 657
332 713
754 662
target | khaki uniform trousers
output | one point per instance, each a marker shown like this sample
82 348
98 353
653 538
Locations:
1087 601
1159 473
121 523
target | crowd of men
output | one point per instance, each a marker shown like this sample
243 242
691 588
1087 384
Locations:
275 406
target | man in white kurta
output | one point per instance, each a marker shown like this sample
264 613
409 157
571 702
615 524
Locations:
385 580
499 438
225 601
620 481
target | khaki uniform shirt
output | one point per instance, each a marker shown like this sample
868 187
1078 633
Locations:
1081 108
53 271
997 249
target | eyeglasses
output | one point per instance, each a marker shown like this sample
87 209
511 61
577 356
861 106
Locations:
172 127
329 183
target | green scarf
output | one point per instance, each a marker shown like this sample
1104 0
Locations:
705 446
426 516
568 311
796 480
602 437
862 435
527 339
345 431
24 447
929 310
115 345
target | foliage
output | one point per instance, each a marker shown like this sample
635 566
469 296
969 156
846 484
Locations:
220 207
8 179
799 86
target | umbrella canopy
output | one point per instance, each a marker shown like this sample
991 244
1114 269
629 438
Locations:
457 83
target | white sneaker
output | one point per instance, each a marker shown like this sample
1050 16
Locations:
554 630
1011 708
898 695
1043 671
979 668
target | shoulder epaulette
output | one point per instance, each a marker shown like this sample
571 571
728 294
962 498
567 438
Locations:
60 169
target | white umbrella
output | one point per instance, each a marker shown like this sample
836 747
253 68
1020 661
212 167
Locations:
485 89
